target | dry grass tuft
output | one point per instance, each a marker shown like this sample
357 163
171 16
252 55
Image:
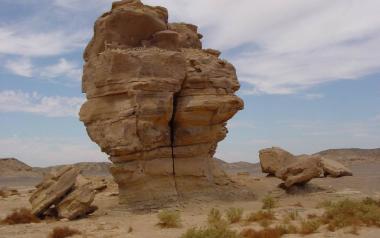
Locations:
62 232
261 215
234 214
169 219
269 202
214 219
211 232
20 216
309 226
348 212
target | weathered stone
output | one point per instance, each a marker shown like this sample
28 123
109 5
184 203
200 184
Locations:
335 169
52 189
157 105
301 171
78 202
274 159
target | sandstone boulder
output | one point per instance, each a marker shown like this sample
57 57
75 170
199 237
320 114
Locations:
301 171
52 189
78 202
274 159
157 104
334 168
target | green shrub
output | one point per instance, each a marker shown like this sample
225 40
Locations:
169 219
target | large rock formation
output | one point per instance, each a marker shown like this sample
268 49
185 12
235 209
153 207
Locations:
157 103
299 169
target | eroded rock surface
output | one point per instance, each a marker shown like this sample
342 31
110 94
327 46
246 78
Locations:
78 202
335 169
157 103
52 189
299 169
63 193
273 159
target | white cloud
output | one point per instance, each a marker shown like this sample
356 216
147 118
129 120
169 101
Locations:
288 46
22 67
62 68
54 106
32 43
50 151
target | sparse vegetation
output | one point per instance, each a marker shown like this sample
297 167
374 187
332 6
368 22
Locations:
234 214
264 233
169 219
62 232
269 202
287 229
211 232
20 216
309 226
348 212
3 194
215 219
264 218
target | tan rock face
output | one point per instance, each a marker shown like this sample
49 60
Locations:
78 202
52 189
157 103
335 169
301 171
273 159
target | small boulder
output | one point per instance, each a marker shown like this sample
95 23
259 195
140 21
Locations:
274 159
334 168
301 171
78 202
53 188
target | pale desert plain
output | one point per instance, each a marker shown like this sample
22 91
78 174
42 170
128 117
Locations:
157 103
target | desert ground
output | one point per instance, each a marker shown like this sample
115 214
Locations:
114 220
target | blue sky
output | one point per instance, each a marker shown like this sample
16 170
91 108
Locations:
309 72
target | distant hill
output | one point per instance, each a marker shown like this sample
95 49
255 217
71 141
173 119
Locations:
239 167
352 156
11 167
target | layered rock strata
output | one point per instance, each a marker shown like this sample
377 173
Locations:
157 103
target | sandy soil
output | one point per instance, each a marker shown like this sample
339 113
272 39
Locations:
113 220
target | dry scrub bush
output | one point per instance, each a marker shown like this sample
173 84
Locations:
234 214
264 233
214 219
169 219
211 232
260 215
309 226
3 194
269 202
62 232
351 213
20 216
